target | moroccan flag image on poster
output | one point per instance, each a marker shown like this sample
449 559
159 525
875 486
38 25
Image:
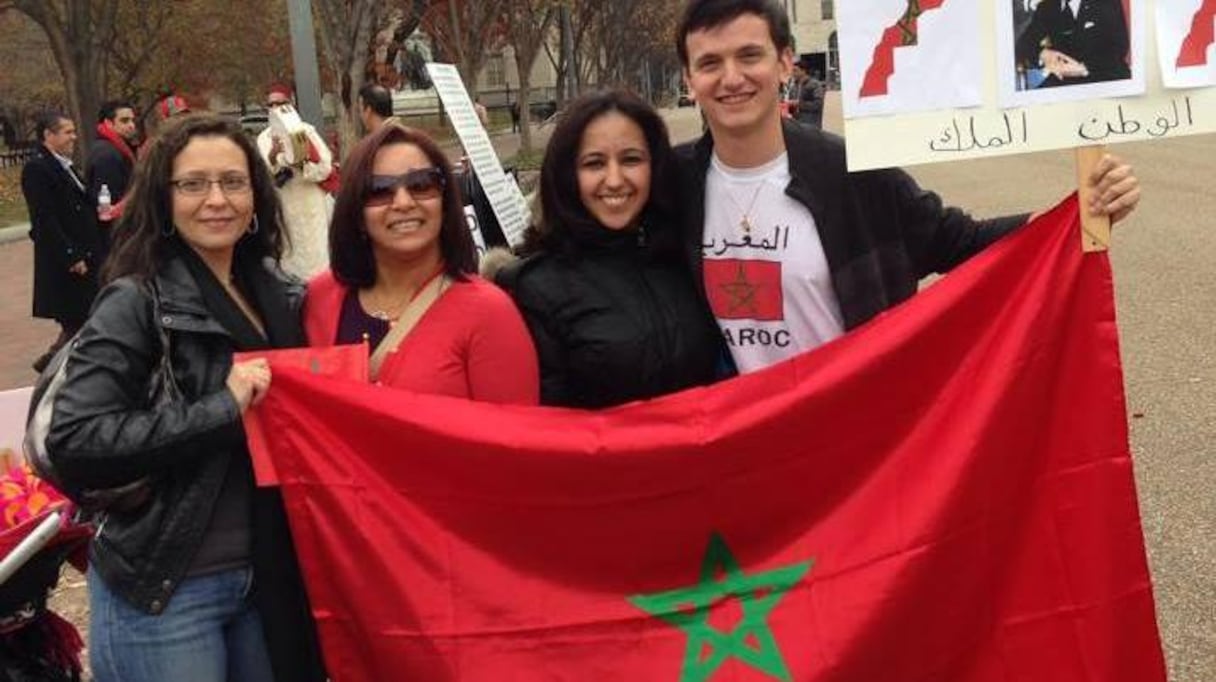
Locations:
903 34
744 289
1195 46
944 494
904 56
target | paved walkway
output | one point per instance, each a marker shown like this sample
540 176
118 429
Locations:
23 338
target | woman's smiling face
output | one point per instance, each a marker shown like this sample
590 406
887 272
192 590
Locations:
614 170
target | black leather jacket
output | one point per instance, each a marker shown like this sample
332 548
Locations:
104 433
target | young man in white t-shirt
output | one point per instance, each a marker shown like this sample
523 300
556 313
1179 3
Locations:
789 248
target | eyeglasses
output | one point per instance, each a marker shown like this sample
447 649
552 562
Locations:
198 187
422 183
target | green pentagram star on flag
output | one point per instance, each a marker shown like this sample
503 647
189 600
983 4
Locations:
751 641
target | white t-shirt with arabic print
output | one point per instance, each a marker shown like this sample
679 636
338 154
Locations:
769 286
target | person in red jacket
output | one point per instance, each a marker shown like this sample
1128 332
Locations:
401 279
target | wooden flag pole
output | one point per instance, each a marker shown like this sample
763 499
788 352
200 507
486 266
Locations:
1095 229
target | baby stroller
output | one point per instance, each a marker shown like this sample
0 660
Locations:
37 535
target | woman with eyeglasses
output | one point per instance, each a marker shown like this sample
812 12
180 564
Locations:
192 573
401 279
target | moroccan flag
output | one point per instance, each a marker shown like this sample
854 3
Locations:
350 362
744 289
944 494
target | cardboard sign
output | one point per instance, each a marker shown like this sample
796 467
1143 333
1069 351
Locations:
1033 99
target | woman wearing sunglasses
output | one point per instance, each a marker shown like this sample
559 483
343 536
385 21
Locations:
191 572
401 279
610 305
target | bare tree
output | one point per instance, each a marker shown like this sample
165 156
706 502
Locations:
79 33
628 37
528 26
33 87
347 30
142 39
465 31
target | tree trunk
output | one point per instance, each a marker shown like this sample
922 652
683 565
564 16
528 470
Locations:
525 110
349 122
78 32
346 34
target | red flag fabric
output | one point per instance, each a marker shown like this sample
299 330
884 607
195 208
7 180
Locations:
348 362
943 494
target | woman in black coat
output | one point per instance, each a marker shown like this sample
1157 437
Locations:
606 296
191 574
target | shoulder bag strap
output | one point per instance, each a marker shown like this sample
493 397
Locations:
406 323
165 387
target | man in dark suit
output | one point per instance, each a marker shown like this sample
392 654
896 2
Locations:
810 99
111 159
1076 41
63 225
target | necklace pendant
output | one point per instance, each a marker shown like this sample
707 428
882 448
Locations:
746 225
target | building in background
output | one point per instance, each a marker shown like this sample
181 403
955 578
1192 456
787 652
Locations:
813 23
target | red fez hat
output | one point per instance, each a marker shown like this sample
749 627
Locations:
172 106
281 89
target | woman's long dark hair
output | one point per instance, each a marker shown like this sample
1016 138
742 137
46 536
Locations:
563 212
140 245
350 251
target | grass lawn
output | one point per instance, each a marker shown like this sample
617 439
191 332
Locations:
12 204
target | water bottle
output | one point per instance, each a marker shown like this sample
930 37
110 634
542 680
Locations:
104 204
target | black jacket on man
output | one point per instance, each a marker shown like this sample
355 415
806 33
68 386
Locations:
63 225
110 167
880 231
1097 37
810 102
105 434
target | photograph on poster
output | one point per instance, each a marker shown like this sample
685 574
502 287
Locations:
1068 50
902 56
1186 42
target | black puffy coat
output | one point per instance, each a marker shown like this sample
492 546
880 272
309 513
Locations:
613 321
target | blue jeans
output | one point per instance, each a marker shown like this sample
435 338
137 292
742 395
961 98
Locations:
209 632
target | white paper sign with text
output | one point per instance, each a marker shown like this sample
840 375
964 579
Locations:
504 195
1043 118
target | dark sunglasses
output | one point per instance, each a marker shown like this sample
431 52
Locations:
423 183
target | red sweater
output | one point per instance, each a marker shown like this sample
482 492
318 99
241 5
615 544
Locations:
471 343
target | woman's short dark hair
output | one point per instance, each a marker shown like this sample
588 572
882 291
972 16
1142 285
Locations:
350 250
562 207
143 236
704 14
